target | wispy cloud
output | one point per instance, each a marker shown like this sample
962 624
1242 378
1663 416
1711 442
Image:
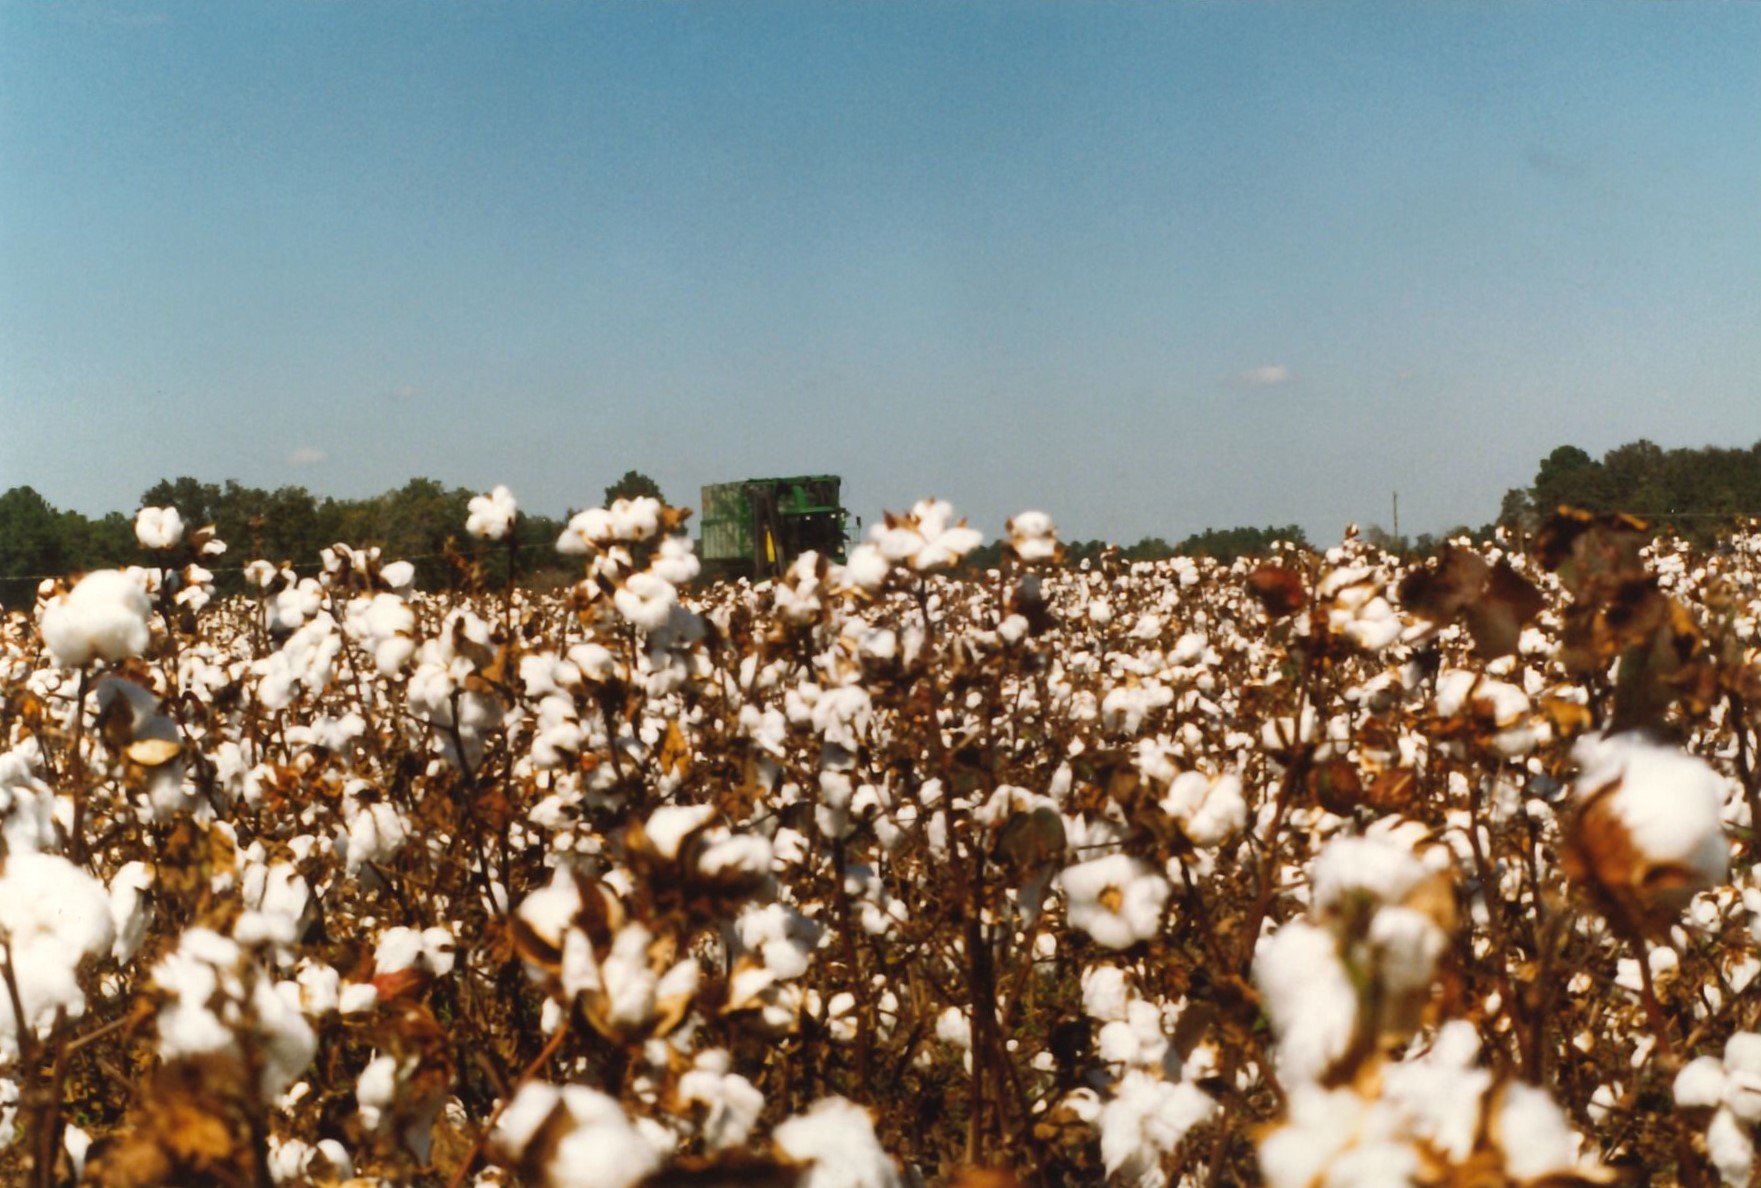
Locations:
307 456
1267 375
406 391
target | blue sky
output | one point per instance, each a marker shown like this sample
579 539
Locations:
1150 267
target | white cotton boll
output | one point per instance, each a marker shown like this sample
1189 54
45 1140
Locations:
1742 1066
1145 1120
1731 1149
1319 1123
54 915
491 516
1439 1096
835 1138
645 600
954 1028
1700 1083
521 1119
599 1146
867 568
186 1025
429 950
629 984
745 853
1105 993
131 913
1117 900
676 561
385 624
296 604
376 1089
1407 945
158 527
668 826
1671 803
1209 811
549 910
1119 1042
733 1102
635 519
1309 996
27 805
1376 866
318 985
284 1042
306 660
357 998
375 834
104 617
1534 1134
1033 536
399 575
1373 626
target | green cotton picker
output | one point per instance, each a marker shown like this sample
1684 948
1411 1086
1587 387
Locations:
756 527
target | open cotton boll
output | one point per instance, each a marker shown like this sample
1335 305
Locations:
676 561
835 1139
733 1102
1117 900
635 519
209 1010
867 568
586 531
1210 810
54 915
598 1147
158 527
428 950
1374 866
1033 537
386 626
491 516
104 617
1144 1121
668 826
1670 803
646 600
1310 997
1534 1134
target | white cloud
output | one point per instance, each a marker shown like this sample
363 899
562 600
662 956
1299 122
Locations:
1267 375
406 391
307 456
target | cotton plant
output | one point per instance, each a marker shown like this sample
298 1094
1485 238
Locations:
1728 1088
492 515
1355 971
1187 850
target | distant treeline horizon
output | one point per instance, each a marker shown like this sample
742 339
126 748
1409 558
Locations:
1699 492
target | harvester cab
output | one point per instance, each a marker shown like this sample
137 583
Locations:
757 527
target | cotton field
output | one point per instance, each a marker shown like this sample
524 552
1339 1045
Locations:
1322 870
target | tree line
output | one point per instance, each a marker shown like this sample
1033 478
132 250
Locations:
1698 492
421 522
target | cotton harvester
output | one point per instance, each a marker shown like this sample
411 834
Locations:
755 528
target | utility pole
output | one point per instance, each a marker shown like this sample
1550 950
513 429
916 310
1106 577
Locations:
1399 543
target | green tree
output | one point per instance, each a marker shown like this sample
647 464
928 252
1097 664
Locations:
1226 544
31 545
633 485
1569 476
